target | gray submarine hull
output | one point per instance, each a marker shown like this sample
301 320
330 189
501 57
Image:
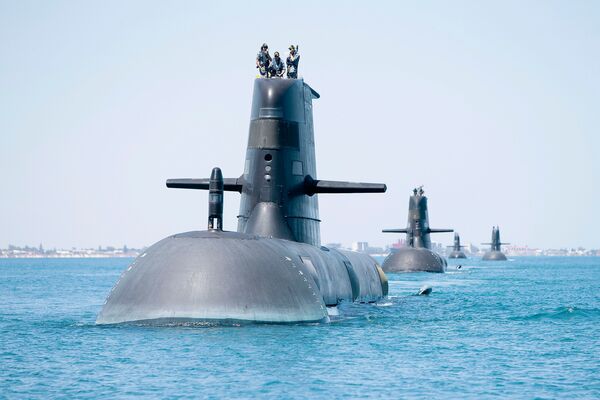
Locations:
273 269
457 254
494 255
215 275
411 259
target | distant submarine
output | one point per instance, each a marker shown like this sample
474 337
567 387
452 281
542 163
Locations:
273 269
457 248
495 253
417 256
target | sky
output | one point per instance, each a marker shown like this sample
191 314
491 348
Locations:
492 106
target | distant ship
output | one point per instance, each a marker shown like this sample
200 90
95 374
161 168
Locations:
273 269
495 253
457 248
417 256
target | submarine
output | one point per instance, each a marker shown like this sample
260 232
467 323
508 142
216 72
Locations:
495 253
273 269
417 256
457 248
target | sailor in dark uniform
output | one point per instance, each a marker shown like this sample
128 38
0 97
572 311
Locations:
277 66
292 63
263 61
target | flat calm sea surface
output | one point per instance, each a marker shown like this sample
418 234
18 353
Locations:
525 328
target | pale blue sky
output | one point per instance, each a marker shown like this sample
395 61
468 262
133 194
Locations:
493 106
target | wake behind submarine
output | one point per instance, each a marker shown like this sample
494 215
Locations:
273 269
417 255
457 248
495 253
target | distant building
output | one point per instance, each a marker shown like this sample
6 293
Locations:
437 247
471 248
400 243
363 247
360 246
39 252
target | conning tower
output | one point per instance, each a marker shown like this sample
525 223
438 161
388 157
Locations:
280 172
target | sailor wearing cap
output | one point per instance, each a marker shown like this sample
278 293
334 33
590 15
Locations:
263 60
292 63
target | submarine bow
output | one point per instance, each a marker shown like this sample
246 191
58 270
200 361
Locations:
273 269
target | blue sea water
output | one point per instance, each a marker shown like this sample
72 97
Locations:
526 328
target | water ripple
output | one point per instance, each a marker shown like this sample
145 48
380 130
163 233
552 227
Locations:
525 329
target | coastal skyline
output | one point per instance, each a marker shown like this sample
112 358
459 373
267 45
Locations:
473 250
101 104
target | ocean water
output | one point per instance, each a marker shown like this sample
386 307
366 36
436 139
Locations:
526 328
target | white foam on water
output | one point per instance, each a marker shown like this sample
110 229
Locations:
333 311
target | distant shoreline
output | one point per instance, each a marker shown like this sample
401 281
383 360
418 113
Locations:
66 256
82 256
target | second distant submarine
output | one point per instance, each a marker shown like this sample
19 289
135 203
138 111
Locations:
417 256
495 253
457 248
